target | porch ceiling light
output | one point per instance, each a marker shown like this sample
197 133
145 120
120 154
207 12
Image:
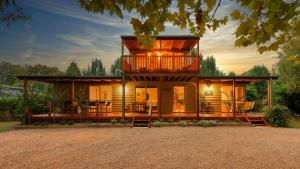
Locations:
208 90
148 54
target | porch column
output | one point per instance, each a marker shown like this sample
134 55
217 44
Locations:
123 82
73 96
234 99
26 107
197 98
269 95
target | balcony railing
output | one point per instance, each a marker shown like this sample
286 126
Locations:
161 64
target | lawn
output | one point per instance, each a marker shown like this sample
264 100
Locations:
7 126
295 123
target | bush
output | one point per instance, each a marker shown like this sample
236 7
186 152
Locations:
183 123
113 121
170 120
207 123
292 101
279 116
20 114
9 102
156 124
161 119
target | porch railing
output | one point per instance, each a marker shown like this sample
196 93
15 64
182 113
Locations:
161 64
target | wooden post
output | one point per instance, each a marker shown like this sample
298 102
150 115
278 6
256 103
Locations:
73 96
123 82
269 95
198 55
234 99
197 98
26 107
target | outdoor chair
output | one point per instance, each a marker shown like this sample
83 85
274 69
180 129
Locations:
107 104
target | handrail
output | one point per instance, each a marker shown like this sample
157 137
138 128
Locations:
161 63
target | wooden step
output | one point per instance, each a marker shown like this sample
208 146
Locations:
257 121
140 123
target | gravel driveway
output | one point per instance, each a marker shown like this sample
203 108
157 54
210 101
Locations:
166 147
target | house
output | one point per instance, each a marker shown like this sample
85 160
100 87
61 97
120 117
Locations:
165 78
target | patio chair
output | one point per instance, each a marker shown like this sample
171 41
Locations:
107 104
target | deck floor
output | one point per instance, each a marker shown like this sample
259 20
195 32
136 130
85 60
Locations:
116 115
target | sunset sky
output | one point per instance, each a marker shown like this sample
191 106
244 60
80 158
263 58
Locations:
60 31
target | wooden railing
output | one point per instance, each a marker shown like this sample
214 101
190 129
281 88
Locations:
161 64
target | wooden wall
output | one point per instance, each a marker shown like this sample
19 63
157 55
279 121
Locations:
214 100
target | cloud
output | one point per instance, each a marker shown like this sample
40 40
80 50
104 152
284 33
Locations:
70 10
26 54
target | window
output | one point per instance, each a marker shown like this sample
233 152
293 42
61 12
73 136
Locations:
178 99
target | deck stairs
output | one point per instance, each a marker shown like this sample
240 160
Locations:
143 121
257 121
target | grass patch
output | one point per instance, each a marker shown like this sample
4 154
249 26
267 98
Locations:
7 126
294 123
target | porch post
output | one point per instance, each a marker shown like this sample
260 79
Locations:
123 82
26 107
197 98
234 99
73 96
269 95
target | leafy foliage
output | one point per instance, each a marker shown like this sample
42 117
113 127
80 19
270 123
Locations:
73 69
95 69
182 123
266 24
207 123
116 65
292 101
8 72
261 87
209 68
156 123
10 12
231 73
279 116
289 70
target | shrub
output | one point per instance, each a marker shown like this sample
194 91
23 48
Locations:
70 122
207 123
292 101
161 119
279 116
156 123
113 121
20 114
170 120
183 123
9 102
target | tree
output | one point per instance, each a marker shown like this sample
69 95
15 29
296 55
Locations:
264 23
73 69
115 65
209 68
289 69
95 69
231 73
260 88
11 12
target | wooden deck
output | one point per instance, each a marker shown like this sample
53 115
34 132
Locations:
116 115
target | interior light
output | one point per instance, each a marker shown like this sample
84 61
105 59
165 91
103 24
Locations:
148 54
208 90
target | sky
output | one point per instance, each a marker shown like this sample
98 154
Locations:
60 32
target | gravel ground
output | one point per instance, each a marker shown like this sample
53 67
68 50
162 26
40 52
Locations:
166 147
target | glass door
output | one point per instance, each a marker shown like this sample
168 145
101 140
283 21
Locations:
178 99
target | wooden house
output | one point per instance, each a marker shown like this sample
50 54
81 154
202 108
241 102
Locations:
165 78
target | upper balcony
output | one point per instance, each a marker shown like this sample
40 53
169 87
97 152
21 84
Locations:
170 54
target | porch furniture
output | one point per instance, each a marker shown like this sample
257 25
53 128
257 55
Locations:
246 107
206 108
